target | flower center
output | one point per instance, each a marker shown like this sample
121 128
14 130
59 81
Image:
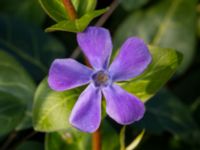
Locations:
101 78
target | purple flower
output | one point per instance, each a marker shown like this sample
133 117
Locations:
121 106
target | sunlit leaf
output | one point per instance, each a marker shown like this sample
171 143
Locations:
51 109
163 66
77 25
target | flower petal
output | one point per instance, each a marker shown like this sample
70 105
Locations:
86 114
66 74
96 44
123 107
132 60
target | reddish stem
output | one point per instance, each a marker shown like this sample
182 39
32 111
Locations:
70 9
96 140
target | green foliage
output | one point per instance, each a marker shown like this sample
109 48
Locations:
85 11
56 10
188 88
28 10
30 145
110 136
16 90
129 5
167 112
169 24
163 66
33 48
134 144
70 139
77 25
51 109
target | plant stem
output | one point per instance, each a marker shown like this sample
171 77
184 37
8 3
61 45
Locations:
70 9
96 140
99 23
105 17
9 140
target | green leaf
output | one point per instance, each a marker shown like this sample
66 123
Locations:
84 7
55 8
51 109
70 139
168 113
133 144
16 93
169 24
163 66
133 4
183 88
33 48
28 10
110 137
77 25
136 141
12 111
30 145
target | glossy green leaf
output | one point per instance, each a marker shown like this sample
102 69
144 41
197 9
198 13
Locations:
16 93
55 8
169 24
30 145
28 10
163 66
70 139
51 109
78 25
132 4
32 47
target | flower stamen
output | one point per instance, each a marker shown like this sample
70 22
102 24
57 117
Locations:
101 78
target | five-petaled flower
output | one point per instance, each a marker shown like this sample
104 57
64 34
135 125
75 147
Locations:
96 44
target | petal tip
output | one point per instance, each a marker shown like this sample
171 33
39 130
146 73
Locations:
88 129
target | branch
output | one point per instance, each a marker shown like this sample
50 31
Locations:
9 140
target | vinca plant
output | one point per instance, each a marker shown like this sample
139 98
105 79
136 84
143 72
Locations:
99 75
